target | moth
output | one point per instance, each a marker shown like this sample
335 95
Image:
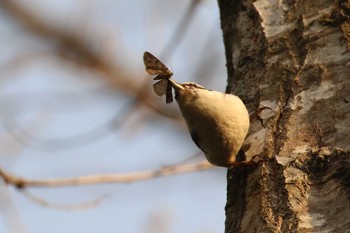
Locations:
155 67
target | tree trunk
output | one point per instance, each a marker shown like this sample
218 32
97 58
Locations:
292 56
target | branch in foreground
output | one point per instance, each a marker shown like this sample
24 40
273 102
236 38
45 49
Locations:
21 182
73 47
66 207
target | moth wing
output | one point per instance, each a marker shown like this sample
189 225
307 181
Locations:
154 66
160 87
169 93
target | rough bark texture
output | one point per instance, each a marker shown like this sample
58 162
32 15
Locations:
292 56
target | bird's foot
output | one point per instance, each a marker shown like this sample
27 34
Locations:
256 159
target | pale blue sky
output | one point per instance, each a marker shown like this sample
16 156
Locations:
55 101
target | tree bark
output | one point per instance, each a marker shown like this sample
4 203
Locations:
292 56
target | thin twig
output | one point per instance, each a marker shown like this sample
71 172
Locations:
60 206
21 182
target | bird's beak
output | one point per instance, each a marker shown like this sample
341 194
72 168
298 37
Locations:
176 85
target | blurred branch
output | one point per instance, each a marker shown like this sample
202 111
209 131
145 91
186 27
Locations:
180 30
9 211
104 178
24 135
11 150
209 59
78 50
73 47
68 207
158 222
175 40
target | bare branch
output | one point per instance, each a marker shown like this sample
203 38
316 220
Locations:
104 178
67 207
78 50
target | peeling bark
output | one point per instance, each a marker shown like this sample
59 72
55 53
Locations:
292 56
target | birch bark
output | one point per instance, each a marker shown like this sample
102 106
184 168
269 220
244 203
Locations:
292 56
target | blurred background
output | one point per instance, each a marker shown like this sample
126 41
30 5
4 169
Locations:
75 100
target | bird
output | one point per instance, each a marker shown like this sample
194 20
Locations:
217 122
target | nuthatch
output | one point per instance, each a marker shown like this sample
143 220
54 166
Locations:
218 122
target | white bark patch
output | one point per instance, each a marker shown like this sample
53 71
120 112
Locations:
273 15
257 139
301 149
309 221
325 90
314 28
329 51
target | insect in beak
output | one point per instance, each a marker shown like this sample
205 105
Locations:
155 67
